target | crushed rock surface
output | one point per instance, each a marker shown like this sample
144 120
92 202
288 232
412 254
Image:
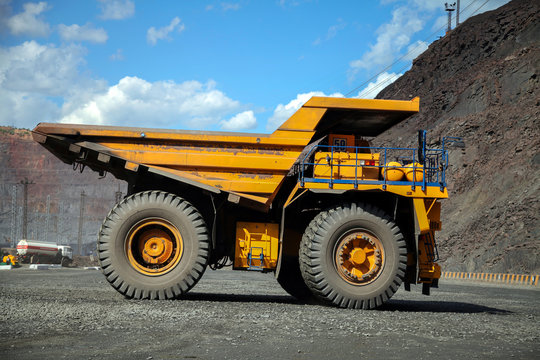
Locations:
73 313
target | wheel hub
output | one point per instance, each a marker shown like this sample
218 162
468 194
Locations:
157 246
154 246
359 257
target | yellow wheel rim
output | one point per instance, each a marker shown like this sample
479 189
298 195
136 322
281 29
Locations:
154 246
359 257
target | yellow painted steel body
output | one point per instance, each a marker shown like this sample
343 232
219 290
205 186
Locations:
256 245
393 171
413 172
428 213
402 190
251 166
346 165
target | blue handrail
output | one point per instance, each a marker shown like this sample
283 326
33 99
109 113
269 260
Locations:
433 170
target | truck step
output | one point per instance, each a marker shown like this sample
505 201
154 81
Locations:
259 259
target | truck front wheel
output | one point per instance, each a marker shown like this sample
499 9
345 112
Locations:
153 245
353 256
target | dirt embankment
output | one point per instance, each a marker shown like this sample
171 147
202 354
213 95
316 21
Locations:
481 83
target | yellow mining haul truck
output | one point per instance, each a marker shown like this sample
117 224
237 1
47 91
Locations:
337 220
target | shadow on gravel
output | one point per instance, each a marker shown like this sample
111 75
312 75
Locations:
440 307
391 305
280 299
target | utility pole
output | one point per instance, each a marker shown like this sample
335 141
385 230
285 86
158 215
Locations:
449 8
59 223
457 14
81 215
19 223
47 218
13 215
25 183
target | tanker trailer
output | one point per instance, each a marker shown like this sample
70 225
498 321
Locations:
36 252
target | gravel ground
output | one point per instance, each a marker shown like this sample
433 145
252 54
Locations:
75 314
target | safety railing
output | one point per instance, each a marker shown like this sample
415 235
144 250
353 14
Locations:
501 278
429 172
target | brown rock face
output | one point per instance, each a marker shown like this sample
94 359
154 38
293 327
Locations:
21 158
481 82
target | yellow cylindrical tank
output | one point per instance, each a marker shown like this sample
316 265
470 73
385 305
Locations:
392 171
418 172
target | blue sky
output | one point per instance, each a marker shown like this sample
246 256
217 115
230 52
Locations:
242 65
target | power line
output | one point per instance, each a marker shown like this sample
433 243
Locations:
481 6
408 53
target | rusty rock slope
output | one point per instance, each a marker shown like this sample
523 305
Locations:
22 159
480 82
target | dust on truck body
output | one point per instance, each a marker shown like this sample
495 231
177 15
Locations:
337 220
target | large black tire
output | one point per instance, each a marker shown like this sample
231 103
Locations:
291 279
141 221
327 250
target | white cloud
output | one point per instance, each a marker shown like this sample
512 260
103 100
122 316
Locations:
82 33
137 102
153 34
440 23
373 88
49 83
427 5
34 78
116 9
392 38
24 110
283 112
408 18
243 121
41 69
28 23
331 32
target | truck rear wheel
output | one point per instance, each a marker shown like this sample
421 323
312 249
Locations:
353 256
153 245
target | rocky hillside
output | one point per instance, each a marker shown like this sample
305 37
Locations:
21 158
481 82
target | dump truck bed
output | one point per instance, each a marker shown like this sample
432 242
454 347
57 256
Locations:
248 166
